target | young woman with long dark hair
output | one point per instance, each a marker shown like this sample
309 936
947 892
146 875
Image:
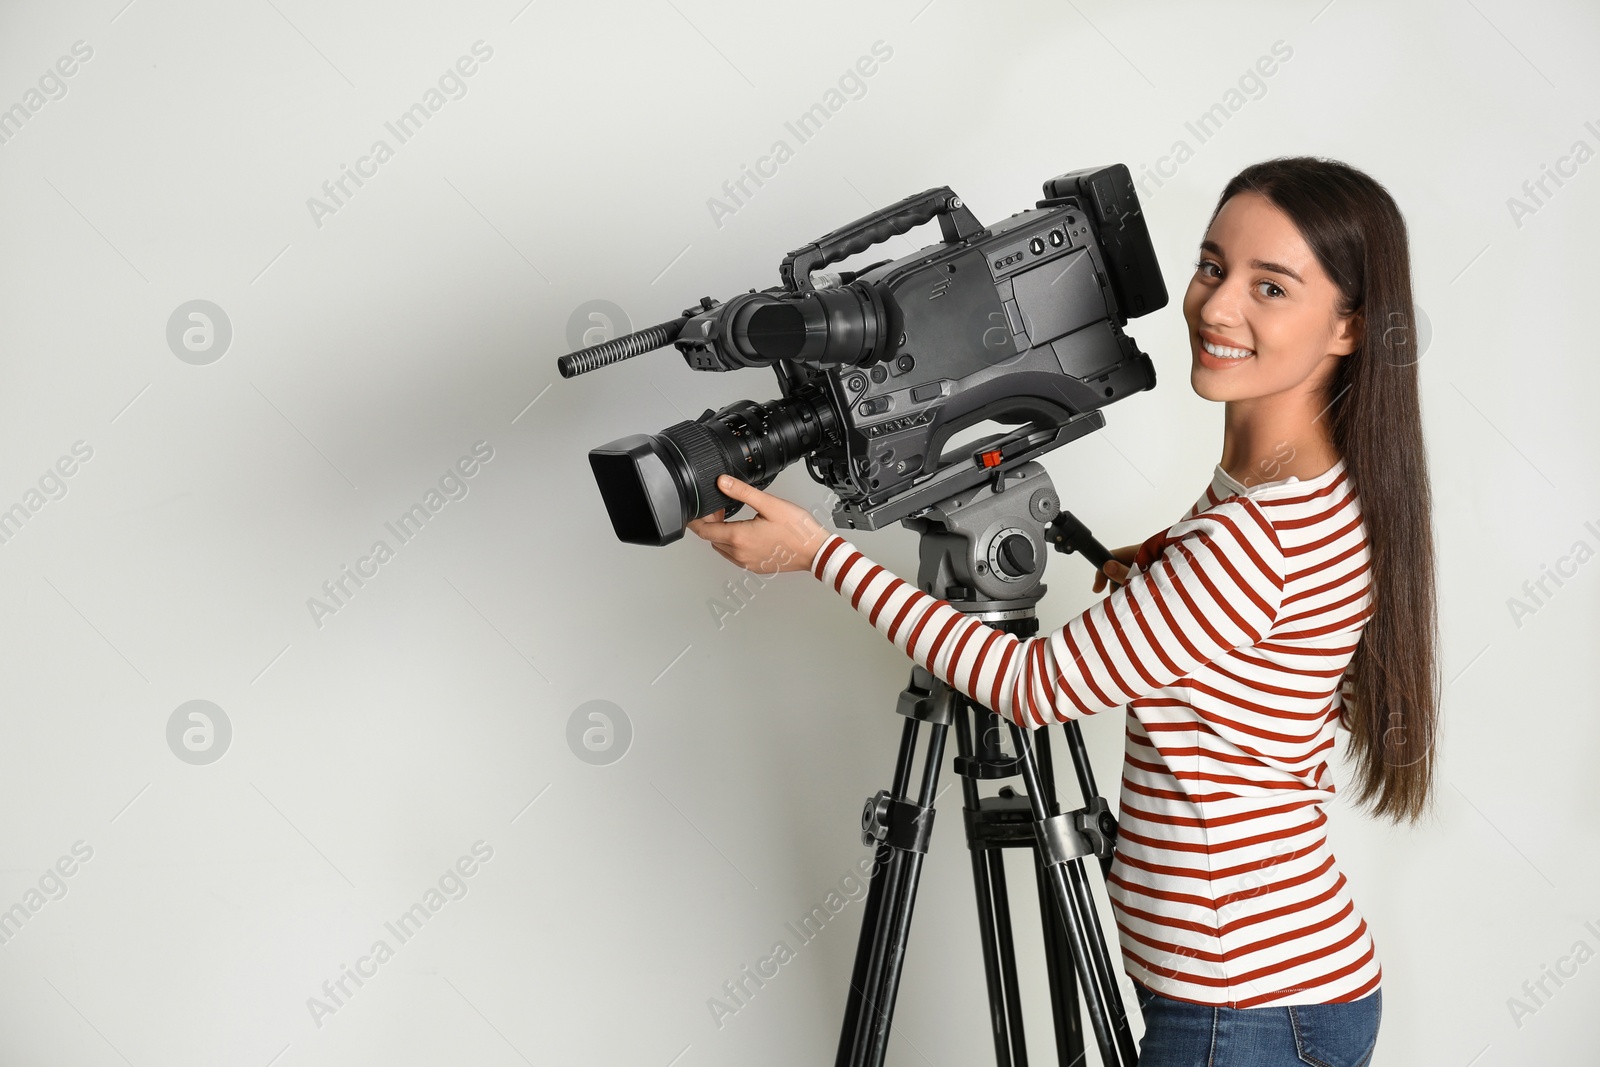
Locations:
1296 596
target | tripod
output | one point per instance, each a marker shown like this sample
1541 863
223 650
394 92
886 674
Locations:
982 551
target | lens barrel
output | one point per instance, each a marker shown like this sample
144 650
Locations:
653 484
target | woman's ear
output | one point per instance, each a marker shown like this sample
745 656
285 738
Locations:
1347 338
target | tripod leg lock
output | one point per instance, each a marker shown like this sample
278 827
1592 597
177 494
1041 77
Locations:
927 699
1089 831
901 824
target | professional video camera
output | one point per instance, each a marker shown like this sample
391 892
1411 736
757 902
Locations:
1019 323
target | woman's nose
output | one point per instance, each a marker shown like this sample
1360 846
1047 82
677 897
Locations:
1222 306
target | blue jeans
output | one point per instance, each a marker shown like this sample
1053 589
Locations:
1181 1034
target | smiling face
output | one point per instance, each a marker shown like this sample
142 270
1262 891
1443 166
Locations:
1266 306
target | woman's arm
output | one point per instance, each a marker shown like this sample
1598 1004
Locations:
1216 585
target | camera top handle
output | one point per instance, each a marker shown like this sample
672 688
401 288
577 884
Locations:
955 221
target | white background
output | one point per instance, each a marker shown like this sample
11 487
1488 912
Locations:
371 351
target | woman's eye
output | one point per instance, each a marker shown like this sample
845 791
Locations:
1201 266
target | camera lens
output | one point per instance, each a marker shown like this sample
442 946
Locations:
639 480
653 484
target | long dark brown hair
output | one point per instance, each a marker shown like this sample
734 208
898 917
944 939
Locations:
1358 235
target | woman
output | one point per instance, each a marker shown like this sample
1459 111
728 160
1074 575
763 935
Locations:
1282 606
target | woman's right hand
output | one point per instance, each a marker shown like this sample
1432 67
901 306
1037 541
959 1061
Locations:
1116 569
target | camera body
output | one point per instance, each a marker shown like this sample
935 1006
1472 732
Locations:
1020 323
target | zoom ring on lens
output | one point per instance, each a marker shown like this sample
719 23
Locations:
698 444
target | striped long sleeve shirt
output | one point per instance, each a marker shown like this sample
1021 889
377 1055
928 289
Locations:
1227 645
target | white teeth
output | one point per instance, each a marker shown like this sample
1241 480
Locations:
1225 353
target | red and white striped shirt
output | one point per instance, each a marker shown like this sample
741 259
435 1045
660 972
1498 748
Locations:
1228 646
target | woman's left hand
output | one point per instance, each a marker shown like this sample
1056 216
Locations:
783 536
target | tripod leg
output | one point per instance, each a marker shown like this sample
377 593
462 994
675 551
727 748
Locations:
1057 952
1008 955
906 826
1108 1024
1000 975
1100 960
901 930
884 882
1063 981
1085 772
1000 896
1097 941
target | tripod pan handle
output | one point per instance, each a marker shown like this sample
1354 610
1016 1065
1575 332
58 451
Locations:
1070 535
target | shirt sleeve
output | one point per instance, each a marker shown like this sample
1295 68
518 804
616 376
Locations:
1212 583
